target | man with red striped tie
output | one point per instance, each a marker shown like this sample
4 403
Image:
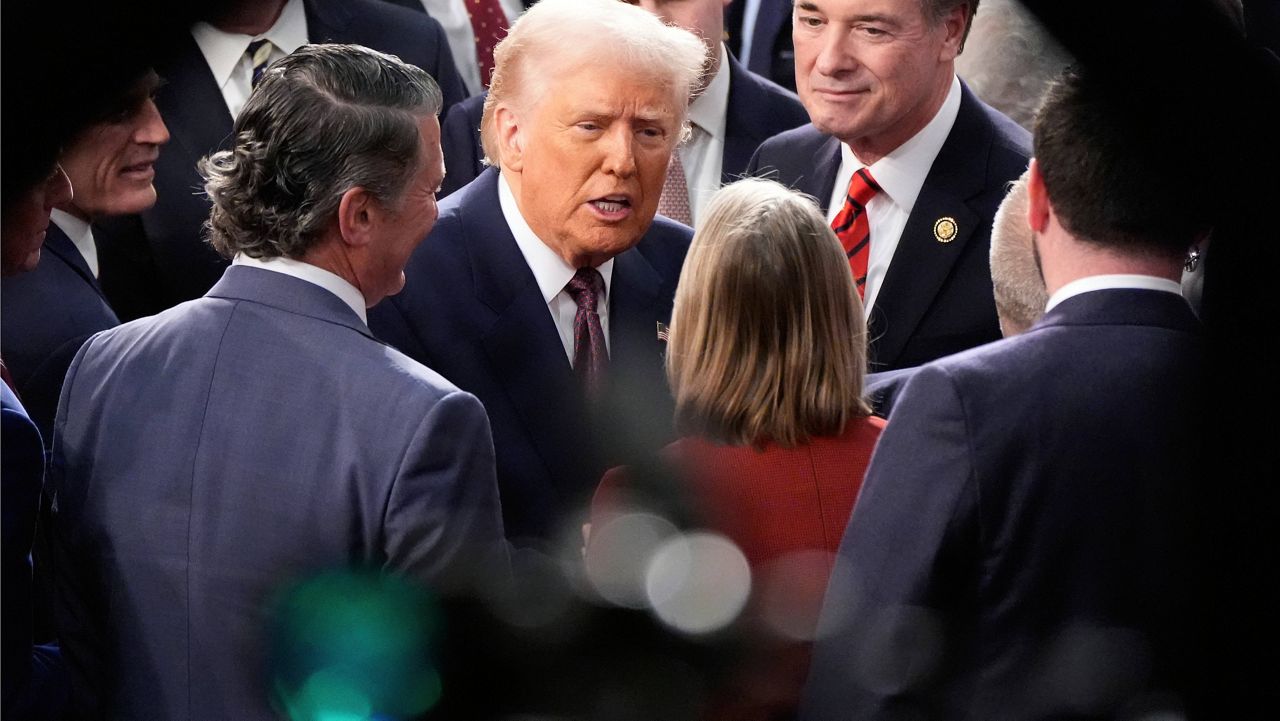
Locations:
909 165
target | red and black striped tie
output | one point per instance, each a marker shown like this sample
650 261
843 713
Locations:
852 227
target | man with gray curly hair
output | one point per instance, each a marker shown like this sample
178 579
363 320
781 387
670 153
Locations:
543 286
209 455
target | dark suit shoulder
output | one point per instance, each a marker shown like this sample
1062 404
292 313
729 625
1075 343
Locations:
806 138
665 245
765 107
460 141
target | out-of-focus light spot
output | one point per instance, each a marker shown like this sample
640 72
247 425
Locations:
349 646
537 595
790 591
698 583
619 555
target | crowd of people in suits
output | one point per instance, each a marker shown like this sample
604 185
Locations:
705 359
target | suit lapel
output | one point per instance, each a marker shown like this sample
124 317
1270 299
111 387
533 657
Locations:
326 21
769 20
192 105
60 245
921 263
522 344
740 142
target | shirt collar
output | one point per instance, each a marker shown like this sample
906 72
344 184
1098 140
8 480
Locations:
81 235
709 110
223 50
902 172
312 274
1107 282
549 269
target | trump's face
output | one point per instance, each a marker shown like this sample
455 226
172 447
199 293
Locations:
587 161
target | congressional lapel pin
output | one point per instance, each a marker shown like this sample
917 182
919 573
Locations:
664 334
945 229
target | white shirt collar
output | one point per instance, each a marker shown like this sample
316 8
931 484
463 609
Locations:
1106 282
710 109
81 235
902 172
549 269
314 275
223 50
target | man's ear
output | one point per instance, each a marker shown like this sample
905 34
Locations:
510 138
954 23
358 213
1037 199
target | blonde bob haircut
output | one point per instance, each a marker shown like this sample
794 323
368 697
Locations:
555 35
767 337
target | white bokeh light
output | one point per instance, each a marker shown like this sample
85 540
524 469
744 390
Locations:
698 583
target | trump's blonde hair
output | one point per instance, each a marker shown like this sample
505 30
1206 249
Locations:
554 34
767 342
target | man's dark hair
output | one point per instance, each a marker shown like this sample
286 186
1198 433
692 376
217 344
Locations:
323 120
1115 168
935 10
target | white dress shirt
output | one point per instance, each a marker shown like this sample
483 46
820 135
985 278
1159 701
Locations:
1107 282
314 275
900 175
703 153
452 16
225 52
552 272
80 233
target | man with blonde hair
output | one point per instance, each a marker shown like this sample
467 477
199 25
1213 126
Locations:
542 287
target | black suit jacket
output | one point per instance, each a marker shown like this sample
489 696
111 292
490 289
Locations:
936 298
45 316
159 259
1023 544
757 110
472 310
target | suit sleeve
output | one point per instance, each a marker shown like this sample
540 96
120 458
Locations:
77 597
443 516
893 606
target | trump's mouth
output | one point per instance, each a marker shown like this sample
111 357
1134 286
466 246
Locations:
611 207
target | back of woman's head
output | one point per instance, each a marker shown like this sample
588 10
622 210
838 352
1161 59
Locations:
768 342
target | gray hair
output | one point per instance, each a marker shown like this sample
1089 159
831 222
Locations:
1015 273
1011 59
323 120
586 31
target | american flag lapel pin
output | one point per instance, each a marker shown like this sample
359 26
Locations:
664 334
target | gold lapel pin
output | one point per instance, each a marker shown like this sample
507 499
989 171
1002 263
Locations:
945 229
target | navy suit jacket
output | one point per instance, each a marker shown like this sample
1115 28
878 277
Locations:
45 316
1023 543
210 455
159 259
772 53
883 389
472 310
34 682
757 110
936 298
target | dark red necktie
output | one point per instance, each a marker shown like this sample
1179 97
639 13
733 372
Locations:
852 227
489 24
590 355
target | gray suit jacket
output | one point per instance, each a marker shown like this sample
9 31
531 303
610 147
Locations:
207 456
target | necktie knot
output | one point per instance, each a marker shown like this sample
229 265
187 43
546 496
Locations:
862 187
585 288
259 54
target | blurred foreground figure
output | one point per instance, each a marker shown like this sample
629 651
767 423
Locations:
50 312
767 353
206 456
1024 543
543 286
